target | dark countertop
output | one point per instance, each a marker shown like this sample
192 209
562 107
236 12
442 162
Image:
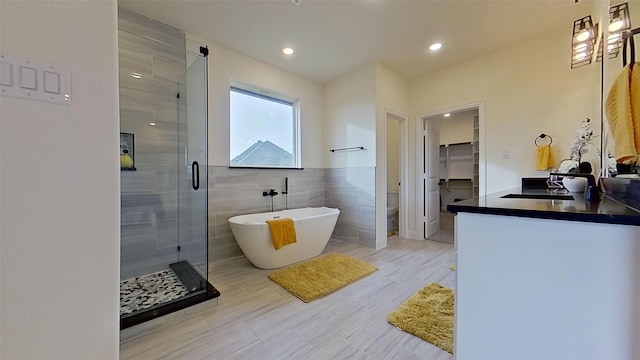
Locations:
606 211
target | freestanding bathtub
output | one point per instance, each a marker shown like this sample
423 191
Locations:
314 227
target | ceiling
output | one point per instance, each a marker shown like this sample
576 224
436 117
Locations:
334 37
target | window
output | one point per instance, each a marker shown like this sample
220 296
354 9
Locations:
264 129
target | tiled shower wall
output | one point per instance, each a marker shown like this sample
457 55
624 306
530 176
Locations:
149 210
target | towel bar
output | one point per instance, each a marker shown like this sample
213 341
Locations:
355 148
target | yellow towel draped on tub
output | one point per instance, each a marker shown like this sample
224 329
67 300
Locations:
544 158
283 232
623 113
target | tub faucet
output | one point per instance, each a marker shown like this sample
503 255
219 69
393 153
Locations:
272 193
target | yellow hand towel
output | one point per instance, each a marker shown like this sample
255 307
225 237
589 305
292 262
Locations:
283 232
623 113
544 157
635 104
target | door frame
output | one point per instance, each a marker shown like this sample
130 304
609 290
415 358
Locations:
403 195
482 163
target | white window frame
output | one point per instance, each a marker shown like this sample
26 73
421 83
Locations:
276 97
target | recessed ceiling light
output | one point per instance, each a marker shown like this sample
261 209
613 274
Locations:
447 115
435 46
287 51
152 124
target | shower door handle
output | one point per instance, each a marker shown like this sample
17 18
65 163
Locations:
195 175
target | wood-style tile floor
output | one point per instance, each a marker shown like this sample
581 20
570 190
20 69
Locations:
257 319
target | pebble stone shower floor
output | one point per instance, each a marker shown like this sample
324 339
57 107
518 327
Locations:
145 291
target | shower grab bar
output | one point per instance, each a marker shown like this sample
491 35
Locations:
195 175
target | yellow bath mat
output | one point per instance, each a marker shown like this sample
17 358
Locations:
319 277
428 314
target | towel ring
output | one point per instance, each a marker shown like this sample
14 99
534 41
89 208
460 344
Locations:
542 136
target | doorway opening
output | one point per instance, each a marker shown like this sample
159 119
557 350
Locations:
451 168
396 174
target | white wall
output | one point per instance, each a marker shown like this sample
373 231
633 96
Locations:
528 89
350 119
60 196
456 130
226 65
392 94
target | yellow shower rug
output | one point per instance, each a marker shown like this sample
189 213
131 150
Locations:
319 277
428 314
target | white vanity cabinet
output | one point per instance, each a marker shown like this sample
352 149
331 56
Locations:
531 288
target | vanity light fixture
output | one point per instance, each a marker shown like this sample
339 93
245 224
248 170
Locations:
619 22
583 41
287 51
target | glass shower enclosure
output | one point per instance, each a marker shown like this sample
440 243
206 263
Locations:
163 151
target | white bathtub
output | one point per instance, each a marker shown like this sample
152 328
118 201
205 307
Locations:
314 227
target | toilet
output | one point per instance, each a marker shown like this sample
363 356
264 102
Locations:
391 218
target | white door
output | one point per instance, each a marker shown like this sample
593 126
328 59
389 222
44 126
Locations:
430 179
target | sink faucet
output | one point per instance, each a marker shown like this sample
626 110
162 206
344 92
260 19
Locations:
591 192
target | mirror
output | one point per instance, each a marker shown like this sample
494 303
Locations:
613 67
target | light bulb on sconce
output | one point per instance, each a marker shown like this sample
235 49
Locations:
616 25
614 38
580 47
583 36
580 56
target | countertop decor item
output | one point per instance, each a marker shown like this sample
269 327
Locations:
583 137
574 184
127 152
